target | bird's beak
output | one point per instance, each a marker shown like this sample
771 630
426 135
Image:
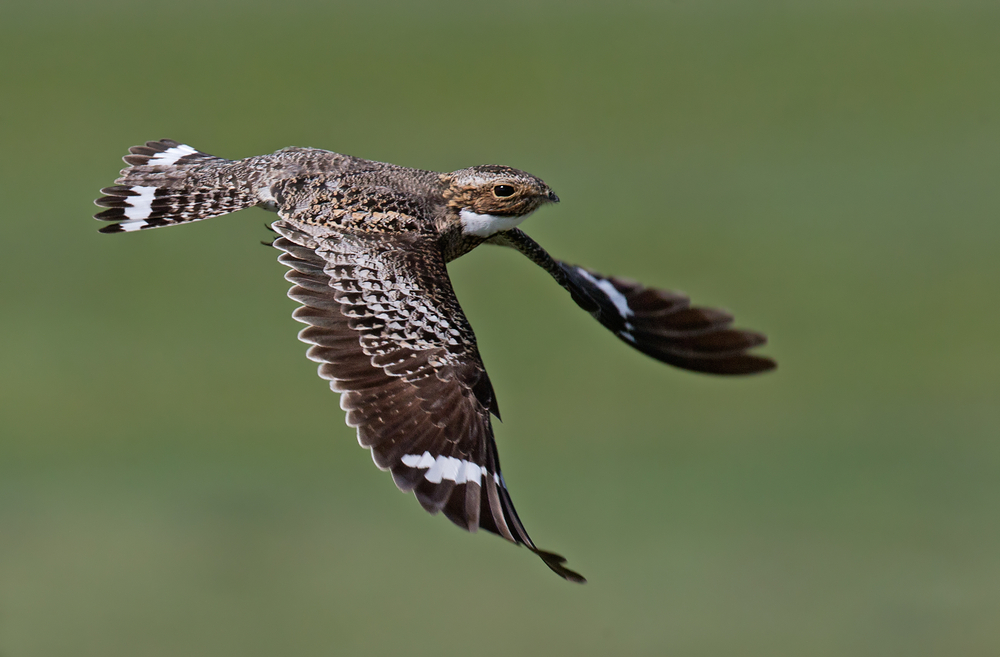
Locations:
551 196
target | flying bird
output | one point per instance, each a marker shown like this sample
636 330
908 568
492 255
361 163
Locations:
367 244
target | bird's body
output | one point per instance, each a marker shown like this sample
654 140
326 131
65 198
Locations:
367 245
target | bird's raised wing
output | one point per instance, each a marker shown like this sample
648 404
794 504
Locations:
660 324
390 336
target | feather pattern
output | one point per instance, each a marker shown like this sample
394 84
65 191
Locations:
665 326
660 324
387 330
366 244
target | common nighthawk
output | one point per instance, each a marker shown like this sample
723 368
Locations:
367 245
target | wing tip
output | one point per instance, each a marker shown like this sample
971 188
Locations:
764 364
555 563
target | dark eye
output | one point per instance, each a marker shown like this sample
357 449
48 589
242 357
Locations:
503 190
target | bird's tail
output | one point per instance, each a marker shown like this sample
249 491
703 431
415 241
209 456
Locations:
168 183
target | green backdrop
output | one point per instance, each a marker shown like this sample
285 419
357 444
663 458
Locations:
175 480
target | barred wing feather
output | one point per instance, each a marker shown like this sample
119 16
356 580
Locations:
390 336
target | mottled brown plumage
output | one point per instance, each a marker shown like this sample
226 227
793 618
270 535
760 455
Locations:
367 245
497 190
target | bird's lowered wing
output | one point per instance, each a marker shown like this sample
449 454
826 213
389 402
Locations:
390 336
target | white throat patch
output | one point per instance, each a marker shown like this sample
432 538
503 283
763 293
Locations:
484 225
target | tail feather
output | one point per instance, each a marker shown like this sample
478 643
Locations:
166 153
169 183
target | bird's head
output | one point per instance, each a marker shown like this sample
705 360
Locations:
491 198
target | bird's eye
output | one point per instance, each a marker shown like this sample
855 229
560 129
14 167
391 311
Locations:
503 190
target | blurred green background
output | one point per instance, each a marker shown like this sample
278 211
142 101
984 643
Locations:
175 480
